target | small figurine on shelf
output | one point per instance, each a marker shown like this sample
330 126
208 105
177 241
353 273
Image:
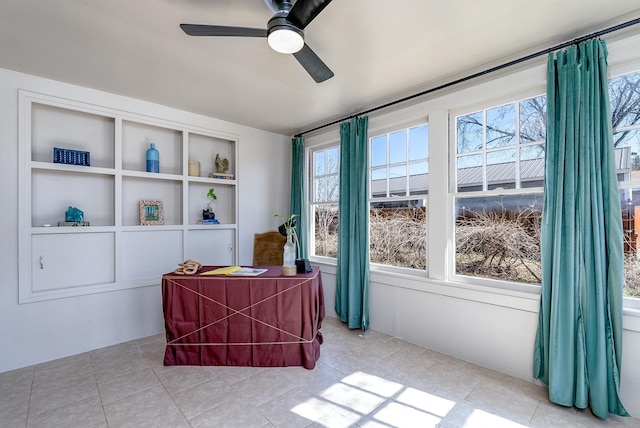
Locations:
74 214
208 216
222 164
73 217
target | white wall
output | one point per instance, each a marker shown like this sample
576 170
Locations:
487 326
36 332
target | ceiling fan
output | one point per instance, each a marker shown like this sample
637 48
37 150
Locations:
284 32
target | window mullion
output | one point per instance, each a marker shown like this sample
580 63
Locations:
517 146
484 151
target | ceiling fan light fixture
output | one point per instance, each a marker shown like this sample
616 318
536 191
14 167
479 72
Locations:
285 40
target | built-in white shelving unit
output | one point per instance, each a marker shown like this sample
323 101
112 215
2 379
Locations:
115 252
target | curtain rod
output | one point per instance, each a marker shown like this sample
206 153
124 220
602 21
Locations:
482 73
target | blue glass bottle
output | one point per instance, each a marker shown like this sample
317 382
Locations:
153 159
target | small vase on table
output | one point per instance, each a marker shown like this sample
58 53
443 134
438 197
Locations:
289 256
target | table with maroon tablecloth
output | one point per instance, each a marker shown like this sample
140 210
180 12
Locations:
269 320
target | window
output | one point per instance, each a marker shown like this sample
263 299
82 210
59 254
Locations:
398 187
624 96
498 183
501 147
324 201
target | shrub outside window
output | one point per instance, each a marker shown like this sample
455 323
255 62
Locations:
498 237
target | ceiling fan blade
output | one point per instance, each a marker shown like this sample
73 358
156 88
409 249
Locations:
220 30
313 64
304 11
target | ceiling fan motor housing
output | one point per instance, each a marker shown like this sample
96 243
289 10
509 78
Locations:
279 20
281 23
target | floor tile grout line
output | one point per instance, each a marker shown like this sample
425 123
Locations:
33 375
104 411
171 396
93 370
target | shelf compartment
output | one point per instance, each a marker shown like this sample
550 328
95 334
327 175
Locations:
136 139
135 189
71 129
204 148
54 191
224 206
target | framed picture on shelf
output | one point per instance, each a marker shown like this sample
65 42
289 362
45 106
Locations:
151 213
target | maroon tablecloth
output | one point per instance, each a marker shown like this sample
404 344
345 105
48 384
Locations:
266 320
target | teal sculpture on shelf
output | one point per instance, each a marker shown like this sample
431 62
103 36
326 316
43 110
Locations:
74 215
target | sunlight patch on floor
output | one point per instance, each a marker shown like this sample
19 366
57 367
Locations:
479 418
381 402
393 414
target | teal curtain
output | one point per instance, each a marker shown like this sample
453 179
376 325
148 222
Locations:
352 274
297 193
578 346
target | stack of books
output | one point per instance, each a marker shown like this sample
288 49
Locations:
212 221
221 175
73 223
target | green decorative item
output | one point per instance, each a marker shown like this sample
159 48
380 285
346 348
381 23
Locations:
208 214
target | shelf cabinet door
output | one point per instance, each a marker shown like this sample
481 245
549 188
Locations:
67 260
146 255
212 247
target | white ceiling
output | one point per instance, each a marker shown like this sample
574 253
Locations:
379 50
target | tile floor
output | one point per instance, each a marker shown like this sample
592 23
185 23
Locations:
371 380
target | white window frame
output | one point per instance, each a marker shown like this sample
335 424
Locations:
312 203
453 193
373 133
628 302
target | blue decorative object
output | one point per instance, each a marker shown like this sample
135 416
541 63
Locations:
71 157
153 159
74 214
